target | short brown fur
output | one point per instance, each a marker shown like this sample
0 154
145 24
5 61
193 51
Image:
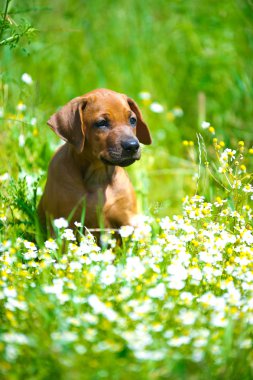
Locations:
87 172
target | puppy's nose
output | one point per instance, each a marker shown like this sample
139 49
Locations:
130 145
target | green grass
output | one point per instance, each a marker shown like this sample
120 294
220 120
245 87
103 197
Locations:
192 56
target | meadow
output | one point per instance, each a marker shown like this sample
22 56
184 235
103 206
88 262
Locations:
175 300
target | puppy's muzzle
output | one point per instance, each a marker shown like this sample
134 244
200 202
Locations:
125 154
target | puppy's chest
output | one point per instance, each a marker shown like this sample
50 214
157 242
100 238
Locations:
101 197
98 187
95 197
97 203
98 197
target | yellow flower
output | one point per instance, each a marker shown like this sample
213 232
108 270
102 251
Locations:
174 292
9 315
3 273
105 324
229 251
146 102
170 116
233 310
35 132
230 154
70 276
89 276
23 273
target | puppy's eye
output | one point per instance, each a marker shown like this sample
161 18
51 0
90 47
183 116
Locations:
102 124
133 121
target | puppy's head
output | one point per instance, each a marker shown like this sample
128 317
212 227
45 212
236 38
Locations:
107 124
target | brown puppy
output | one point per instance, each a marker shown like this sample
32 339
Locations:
102 130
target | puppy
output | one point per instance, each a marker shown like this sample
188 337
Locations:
86 180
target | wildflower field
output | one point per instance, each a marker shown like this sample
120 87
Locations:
175 299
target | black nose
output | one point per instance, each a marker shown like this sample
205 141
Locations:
131 145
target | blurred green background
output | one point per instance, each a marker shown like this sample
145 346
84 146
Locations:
178 51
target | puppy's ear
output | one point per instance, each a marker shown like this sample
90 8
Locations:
142 131
68 123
